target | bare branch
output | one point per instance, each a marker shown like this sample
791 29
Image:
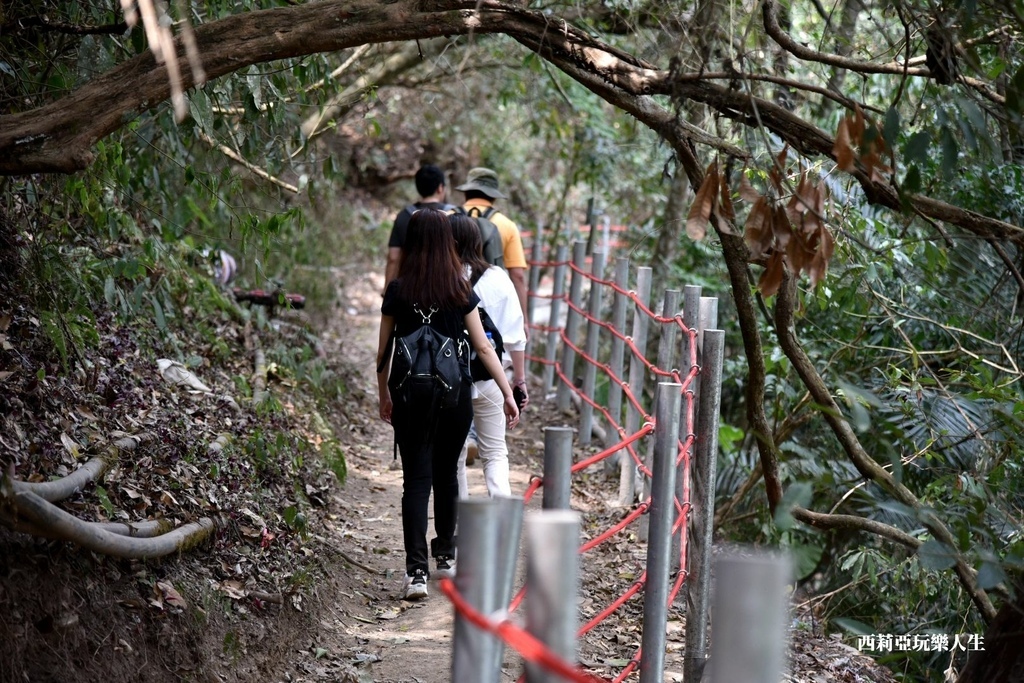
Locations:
771 26
49 520
21 23
820 520
865 464
92 470
253 168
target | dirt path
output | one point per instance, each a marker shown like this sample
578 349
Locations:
364 623
398 641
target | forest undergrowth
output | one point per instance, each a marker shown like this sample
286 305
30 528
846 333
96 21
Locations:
300 582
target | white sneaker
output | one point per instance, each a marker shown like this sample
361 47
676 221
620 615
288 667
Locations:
415 586
471 452
445 567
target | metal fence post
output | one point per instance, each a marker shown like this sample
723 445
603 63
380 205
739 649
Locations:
552 579
687 420
557 468
536 250
702 499
615 362
620 300
510 525
751 609
662 514
572 321
627 468
477 581
666 358
557 292
593 338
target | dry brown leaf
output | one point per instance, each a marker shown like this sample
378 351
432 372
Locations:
747 191
781 228
170 595
756 232
728 212
703 204
857 125
233 589
797 253
70 445
818 266
86 413
842 149
771 279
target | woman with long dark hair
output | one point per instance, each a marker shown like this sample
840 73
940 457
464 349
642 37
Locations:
499 298
431 290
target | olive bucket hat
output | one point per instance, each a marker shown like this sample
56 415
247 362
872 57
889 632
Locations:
482 180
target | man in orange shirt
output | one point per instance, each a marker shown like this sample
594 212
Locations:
481 189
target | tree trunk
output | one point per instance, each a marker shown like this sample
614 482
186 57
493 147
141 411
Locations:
1002 660
666 249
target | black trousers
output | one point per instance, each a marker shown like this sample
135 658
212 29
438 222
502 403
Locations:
430 448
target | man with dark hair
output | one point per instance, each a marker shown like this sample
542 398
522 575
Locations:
431 186
481 189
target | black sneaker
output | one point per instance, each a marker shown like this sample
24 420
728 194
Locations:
445 567
415 586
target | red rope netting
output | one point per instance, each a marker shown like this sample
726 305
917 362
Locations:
528 646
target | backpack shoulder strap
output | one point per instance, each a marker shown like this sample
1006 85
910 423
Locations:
488 212
387 352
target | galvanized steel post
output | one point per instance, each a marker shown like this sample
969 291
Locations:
691 319
627 468
702 499
477 581
615 360
510 525
552 580
593 332
536 250
572 321
662 514
557 292
751 615
666 358
557 468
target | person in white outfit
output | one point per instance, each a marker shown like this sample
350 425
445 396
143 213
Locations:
499 298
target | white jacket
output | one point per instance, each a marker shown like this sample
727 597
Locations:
499 298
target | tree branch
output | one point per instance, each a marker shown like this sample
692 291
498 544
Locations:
830 522
253 168
51 521
20 24
59 137
771 26
865 464
92 470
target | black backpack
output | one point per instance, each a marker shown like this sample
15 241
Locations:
494 250
427 368
444 206
476 366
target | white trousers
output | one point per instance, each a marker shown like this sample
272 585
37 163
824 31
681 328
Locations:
489 419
